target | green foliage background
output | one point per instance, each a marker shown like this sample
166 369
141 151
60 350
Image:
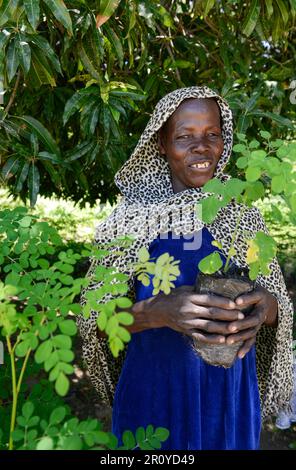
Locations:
76 96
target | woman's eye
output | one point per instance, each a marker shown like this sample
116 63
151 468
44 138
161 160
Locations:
213 134
184 136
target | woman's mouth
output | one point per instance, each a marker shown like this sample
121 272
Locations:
200 165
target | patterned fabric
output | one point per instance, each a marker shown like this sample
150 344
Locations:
149 207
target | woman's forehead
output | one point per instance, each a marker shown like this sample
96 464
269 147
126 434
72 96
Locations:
192 108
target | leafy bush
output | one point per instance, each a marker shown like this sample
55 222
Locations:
38 300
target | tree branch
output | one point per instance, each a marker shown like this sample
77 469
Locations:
13 94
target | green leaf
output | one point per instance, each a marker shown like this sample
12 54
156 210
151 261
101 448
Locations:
265 134
239 147
208 6
116 43
22 348
40 72
72 443
123 334
258 155
43 351
283 10
143 255
42 133
12 59
27 410
210 208
62 384
107 7
252 18
34 184
214 186
46 49
22 176
242 162
24 53
278 184
140 434
68 327
57 415
25 221
211 263
66 355
128 439
124 302
62 341
7 10
32 11
10 167
162 434
45 443
125 318
253 173
60 11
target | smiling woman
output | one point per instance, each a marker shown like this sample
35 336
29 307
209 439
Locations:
192 141
159 379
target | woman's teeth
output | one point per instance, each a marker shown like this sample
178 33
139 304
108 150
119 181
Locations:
200 165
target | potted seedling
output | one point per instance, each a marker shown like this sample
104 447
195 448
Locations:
264 171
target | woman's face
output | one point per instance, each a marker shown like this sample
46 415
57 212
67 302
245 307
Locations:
192 141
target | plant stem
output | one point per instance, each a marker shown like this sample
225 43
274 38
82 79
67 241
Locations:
13 94
226 267
19 383
14 392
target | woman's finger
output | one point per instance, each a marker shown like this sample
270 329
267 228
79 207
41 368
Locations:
249 299
208 326
251 321
215 313
246 347
242 336
204 338
212 301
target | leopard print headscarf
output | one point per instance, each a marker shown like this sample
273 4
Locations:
149 207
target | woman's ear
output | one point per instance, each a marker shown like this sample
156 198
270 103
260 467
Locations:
160 143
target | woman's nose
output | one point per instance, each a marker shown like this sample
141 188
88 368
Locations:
199 144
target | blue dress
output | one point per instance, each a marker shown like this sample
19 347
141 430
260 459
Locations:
163 382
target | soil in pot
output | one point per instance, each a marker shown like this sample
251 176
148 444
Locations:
231 285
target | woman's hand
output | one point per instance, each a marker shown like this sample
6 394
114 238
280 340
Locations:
204 317
264 312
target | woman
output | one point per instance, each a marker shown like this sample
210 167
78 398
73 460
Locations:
158 379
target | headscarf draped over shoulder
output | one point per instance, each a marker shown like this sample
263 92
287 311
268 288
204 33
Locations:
149 207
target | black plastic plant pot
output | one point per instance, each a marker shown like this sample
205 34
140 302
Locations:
231 285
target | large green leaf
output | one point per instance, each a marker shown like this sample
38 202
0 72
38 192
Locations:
46 49
251 19
12 59
24 52
79 99
33 11
40 71
283 10
60 11
42 133
7 9
33 183
10 167
22 176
